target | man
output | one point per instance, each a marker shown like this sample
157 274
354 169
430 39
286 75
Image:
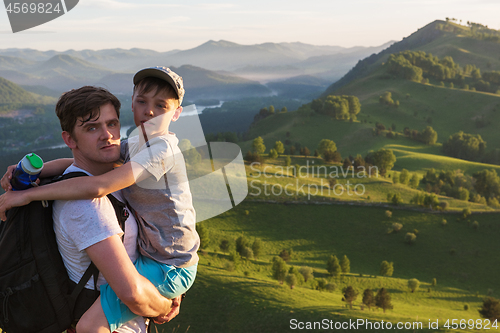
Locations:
87 230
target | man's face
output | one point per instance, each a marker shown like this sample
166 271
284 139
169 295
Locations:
155 112
97 141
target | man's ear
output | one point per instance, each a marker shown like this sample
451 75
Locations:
68 140
177 113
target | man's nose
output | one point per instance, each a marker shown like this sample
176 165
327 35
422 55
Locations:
107 134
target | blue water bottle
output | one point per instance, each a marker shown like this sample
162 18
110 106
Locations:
27 171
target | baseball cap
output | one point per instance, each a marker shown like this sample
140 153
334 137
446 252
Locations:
163 73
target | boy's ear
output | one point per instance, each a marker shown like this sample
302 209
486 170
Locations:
68 140
177 113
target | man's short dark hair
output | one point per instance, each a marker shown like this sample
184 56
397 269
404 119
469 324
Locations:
84 103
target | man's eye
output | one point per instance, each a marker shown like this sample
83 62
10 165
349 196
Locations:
161 106
90 129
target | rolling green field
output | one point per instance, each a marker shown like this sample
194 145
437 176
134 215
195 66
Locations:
249 300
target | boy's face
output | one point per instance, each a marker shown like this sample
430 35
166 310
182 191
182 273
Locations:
155 111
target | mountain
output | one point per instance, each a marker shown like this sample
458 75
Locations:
440 38
466 102
260 62
60 72
198 82
12 93
13 63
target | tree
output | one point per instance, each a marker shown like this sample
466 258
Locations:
191 155
384 159
273 153
321 284
396 227
354 106
396 199
368 298
386 98
326 145
271 109
404 177
307 273
306 152
288 161
247 253
241 243
414 181
257 247
383 299
413 284
333 266
291 280
490 309
429 136
487 183
284 109
295 271
350 295
224 245
332 156
279 269
285 255
410 238
345 264
204 235
258 145
465 146
386 268
235 258
278 146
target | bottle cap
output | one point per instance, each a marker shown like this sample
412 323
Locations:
32 163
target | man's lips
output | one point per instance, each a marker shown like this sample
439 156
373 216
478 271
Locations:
108 146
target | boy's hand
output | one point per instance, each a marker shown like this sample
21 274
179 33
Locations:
176 305
5 182
11 199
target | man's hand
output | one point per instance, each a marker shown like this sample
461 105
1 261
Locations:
176 305
5 182
11 199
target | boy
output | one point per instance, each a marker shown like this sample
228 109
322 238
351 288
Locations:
155 185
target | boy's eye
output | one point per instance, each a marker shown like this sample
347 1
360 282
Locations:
162 106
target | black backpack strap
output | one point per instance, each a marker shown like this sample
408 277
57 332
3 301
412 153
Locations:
120 211
91 270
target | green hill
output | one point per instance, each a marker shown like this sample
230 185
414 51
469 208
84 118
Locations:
439 38
11 93
247 299
448 110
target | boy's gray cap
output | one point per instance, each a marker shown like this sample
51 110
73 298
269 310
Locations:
163 73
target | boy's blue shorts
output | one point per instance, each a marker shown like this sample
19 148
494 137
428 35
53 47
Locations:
169 280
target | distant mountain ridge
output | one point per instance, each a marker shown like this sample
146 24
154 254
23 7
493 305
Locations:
212 55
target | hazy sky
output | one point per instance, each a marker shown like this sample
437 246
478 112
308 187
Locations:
167 25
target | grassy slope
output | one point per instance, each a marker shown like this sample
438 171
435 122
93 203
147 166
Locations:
449 110
228 301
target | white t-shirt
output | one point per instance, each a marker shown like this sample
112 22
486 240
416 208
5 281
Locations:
79 224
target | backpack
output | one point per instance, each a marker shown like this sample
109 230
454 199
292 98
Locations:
36 294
